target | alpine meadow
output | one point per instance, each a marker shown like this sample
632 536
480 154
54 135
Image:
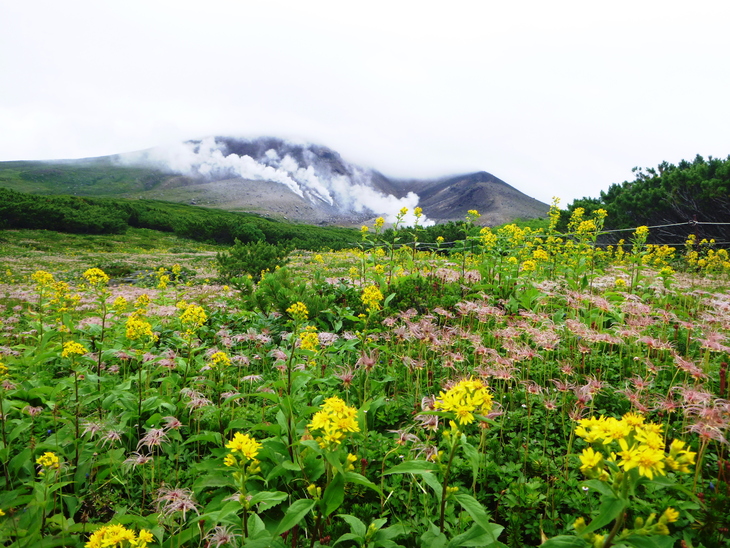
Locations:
174 376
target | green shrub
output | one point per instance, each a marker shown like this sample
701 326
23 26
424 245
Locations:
251 259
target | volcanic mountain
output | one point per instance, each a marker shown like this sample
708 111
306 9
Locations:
277 178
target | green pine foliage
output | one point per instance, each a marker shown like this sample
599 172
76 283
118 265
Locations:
84 215
697 190
251 259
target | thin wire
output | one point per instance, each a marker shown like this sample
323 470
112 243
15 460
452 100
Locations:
602 232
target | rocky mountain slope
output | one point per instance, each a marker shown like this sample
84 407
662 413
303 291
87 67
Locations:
269 176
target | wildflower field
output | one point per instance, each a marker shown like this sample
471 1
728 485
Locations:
517 387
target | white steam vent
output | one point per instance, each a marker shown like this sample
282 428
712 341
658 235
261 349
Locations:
314 173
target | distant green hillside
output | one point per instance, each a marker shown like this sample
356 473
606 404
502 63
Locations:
95 177
83 215
670 194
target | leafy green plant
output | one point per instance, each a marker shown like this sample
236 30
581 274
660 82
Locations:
252 259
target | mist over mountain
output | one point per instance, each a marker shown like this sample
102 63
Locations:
279 178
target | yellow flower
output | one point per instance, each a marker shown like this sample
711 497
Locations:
244 444
650 462
42 278
379 222
529 266
143 537
193 318
48 460
111 536
418 212
590 460
96 276
72 348
333 420
142 301
220 358
466 398
670 515
137 329
308 339
403 211
371 298
298 311
120 304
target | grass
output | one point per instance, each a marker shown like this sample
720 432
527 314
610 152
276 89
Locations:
369 397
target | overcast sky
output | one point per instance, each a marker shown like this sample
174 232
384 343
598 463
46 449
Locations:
558 98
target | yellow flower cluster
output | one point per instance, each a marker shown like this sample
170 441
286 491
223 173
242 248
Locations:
42 278
371 298
379 222
309 339
540 255
465 399
48 461
139 329
96 277
143 301
642 528
488 238
298 311
242 447
72 348
218 359
118 536
334 419
193 318
658 256
120 304
642 232
640 446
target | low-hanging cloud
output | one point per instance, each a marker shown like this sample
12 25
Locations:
322 179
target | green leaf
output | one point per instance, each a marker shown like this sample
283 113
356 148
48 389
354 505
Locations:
412 467
334 494
433 538
294 514
474 536
474 458
216 480
392 532
207 437
433 482
655 541
477 512
356 526
349 536
565 541
268 499
599 486
359 479
610 509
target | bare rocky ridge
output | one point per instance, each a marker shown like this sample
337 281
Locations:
305 183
